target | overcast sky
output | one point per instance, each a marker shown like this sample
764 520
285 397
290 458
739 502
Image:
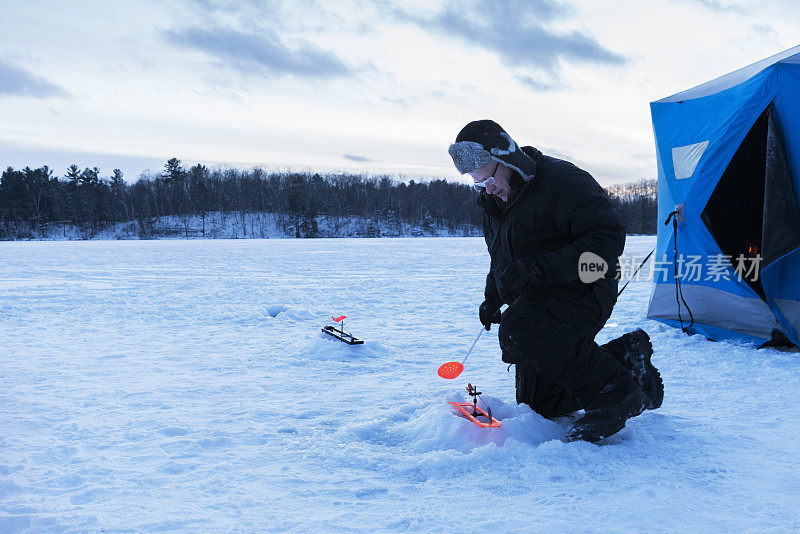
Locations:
376 87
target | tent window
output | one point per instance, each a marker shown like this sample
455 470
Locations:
734 213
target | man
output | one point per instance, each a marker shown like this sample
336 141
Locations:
541 214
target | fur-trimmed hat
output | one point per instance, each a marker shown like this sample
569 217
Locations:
480 142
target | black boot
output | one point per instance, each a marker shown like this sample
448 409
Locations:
607 415
634 350
605 389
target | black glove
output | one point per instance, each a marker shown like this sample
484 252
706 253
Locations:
489 312
522 274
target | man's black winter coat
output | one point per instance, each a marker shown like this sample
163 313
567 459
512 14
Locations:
558 213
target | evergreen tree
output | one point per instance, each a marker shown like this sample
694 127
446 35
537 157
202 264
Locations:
14 196
34 198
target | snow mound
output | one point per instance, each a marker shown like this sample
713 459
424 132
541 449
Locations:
324 348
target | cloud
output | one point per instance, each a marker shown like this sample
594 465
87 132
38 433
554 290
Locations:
518 33
540 85
263 51
352 157
16 81
716 5
520 39
228 6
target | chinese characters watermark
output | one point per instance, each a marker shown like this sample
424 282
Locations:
691 268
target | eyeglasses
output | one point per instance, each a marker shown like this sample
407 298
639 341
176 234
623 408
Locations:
482 185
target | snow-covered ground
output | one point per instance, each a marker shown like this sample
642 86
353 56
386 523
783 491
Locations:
235 225
151 386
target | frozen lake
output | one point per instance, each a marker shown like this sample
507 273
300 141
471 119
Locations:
185 386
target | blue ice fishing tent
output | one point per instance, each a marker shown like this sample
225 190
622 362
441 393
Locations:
728 155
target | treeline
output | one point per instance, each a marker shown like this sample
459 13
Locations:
33 202
637 205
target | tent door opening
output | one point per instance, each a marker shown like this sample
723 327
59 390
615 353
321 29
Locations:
735 212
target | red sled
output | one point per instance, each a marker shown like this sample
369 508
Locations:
472 412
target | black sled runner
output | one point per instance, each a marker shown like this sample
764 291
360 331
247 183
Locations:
339 333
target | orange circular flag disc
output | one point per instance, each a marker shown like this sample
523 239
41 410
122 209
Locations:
451 370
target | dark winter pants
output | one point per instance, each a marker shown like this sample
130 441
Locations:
549 335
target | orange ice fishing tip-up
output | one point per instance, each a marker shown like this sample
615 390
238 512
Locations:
472 411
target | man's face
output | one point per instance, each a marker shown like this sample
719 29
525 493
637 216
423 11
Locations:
500 173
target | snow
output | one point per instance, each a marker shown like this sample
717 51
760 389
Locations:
249 225
152 386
